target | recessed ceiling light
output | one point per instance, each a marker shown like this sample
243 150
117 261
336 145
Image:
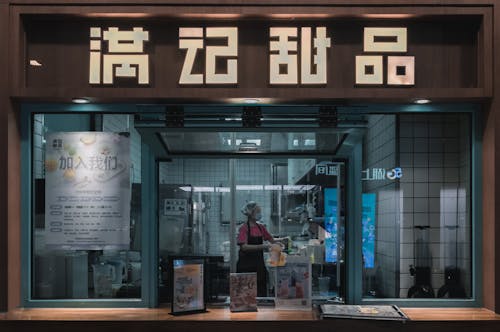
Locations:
80 100
421 101
251 100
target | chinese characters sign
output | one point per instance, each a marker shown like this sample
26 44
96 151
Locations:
296 56
369 68
373 174
284 53
194 39
124 56
326 168
87 191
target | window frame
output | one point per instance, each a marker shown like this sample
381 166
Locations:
149 210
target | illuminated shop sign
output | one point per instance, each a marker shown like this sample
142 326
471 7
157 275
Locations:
370 68
374 174
297 56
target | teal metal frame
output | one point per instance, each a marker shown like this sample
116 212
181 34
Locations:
148 205
476 299
149 208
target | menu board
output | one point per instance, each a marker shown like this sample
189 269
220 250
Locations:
87 190
293 284
187 283
243 291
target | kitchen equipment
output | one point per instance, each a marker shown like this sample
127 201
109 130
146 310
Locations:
324 285
452 287
104 274
135 273
77 285
422 287
120 269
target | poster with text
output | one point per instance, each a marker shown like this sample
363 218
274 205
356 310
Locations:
87 191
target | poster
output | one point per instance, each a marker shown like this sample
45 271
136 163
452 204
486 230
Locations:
331 224
293 284
369 204
87 191
187 295
243 291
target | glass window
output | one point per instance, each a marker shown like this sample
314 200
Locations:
301 202
86 207
417 206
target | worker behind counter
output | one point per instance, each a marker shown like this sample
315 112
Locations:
251 237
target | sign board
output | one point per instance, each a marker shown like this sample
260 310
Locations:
297 55
87 191
187 285
237 60
293 284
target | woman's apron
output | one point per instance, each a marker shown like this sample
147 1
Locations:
253 261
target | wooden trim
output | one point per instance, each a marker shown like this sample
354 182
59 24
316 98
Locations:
17 55
224 314
491 186
484 84
385 3
281 95
485 53
249 10
495 291
16 49
9 203
4 101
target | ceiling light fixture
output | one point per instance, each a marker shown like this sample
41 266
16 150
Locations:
251 100
35 63
422 101
80 100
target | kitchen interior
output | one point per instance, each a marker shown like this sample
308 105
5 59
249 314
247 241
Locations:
195 206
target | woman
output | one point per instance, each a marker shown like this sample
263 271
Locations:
251 241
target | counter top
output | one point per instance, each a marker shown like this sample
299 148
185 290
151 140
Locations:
223 314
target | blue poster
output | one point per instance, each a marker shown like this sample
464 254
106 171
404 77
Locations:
331 205
368 203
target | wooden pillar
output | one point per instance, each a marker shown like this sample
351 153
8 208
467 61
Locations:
491 183
4 101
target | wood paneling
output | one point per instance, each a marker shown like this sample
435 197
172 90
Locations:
10 198
4 103
14 207
445 49
273 2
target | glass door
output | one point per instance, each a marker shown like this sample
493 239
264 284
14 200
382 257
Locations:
302 206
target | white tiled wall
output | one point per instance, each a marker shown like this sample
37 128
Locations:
434 155
125 123
215 173
38 146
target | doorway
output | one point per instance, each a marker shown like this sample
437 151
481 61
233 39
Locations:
302 202
292 161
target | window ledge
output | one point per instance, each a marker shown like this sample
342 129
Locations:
223 314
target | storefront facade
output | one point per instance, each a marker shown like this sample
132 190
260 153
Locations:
365 132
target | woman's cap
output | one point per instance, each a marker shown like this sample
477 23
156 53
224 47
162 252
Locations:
248 208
